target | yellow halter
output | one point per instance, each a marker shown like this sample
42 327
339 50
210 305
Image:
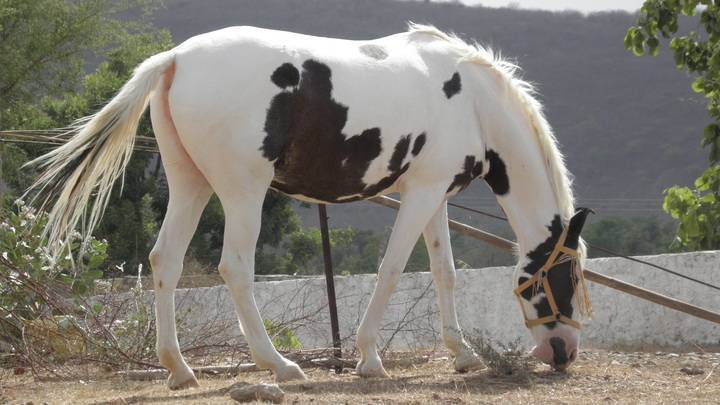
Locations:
540 278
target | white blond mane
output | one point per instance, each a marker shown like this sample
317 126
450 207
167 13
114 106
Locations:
523 93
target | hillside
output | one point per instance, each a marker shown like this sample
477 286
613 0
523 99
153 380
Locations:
630 127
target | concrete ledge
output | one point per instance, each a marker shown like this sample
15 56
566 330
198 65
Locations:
485 303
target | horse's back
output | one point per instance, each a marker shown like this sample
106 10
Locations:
340 120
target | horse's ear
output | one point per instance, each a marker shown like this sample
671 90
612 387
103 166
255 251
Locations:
575 227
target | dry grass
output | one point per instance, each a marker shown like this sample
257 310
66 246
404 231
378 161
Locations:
599 376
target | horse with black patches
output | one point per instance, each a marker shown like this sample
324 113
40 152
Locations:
422 113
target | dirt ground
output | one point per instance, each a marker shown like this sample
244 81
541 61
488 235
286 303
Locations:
598 377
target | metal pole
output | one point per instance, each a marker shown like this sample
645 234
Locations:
330 282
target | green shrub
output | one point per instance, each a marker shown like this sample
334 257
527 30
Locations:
26 264
283 338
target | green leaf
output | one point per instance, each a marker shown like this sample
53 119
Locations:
698 85
652 44
628 41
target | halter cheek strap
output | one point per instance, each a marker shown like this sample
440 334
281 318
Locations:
541 278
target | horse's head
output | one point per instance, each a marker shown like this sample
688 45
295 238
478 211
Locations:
551 291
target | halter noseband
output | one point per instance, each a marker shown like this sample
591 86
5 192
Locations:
540 278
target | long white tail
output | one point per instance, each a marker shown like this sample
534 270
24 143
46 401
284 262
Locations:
81 172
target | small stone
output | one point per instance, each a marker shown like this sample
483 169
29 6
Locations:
692 370
673 355
244 392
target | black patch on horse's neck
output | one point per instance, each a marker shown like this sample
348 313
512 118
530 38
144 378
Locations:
452 86
418 144
559 277
471 170
312 156
496 176
286 75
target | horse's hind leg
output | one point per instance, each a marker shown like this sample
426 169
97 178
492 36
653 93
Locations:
243 209
437 241
189 193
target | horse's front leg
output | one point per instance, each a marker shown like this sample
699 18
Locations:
437 241
418 206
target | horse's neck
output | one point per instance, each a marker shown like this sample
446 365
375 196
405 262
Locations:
530 205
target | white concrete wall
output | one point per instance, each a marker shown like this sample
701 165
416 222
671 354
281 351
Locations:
485 303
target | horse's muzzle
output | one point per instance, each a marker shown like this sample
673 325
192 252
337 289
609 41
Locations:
561 358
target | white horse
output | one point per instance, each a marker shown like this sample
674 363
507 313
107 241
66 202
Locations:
422 113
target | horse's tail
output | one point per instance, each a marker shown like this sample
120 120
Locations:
78 176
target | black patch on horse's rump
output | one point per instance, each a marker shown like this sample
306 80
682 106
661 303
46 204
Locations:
418 144
312 156
286 75
471 170
559 277
452 86
496 176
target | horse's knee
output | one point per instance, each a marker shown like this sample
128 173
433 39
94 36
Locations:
155 258
166 269
234 275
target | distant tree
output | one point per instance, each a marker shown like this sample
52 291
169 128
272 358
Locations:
698 208
630 236
44 45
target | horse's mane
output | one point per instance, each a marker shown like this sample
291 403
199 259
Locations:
523 92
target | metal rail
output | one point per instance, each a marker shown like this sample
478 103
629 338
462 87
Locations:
590 275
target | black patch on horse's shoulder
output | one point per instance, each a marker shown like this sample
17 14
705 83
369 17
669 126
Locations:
374 51
312 156
395 167
452 86
418 144
496 176
559 277
401 150
471 170
286 75
385 182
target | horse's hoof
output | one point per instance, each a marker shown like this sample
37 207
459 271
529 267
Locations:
466 362
187 381
366 371
289 372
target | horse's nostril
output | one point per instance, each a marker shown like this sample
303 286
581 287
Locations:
559 351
